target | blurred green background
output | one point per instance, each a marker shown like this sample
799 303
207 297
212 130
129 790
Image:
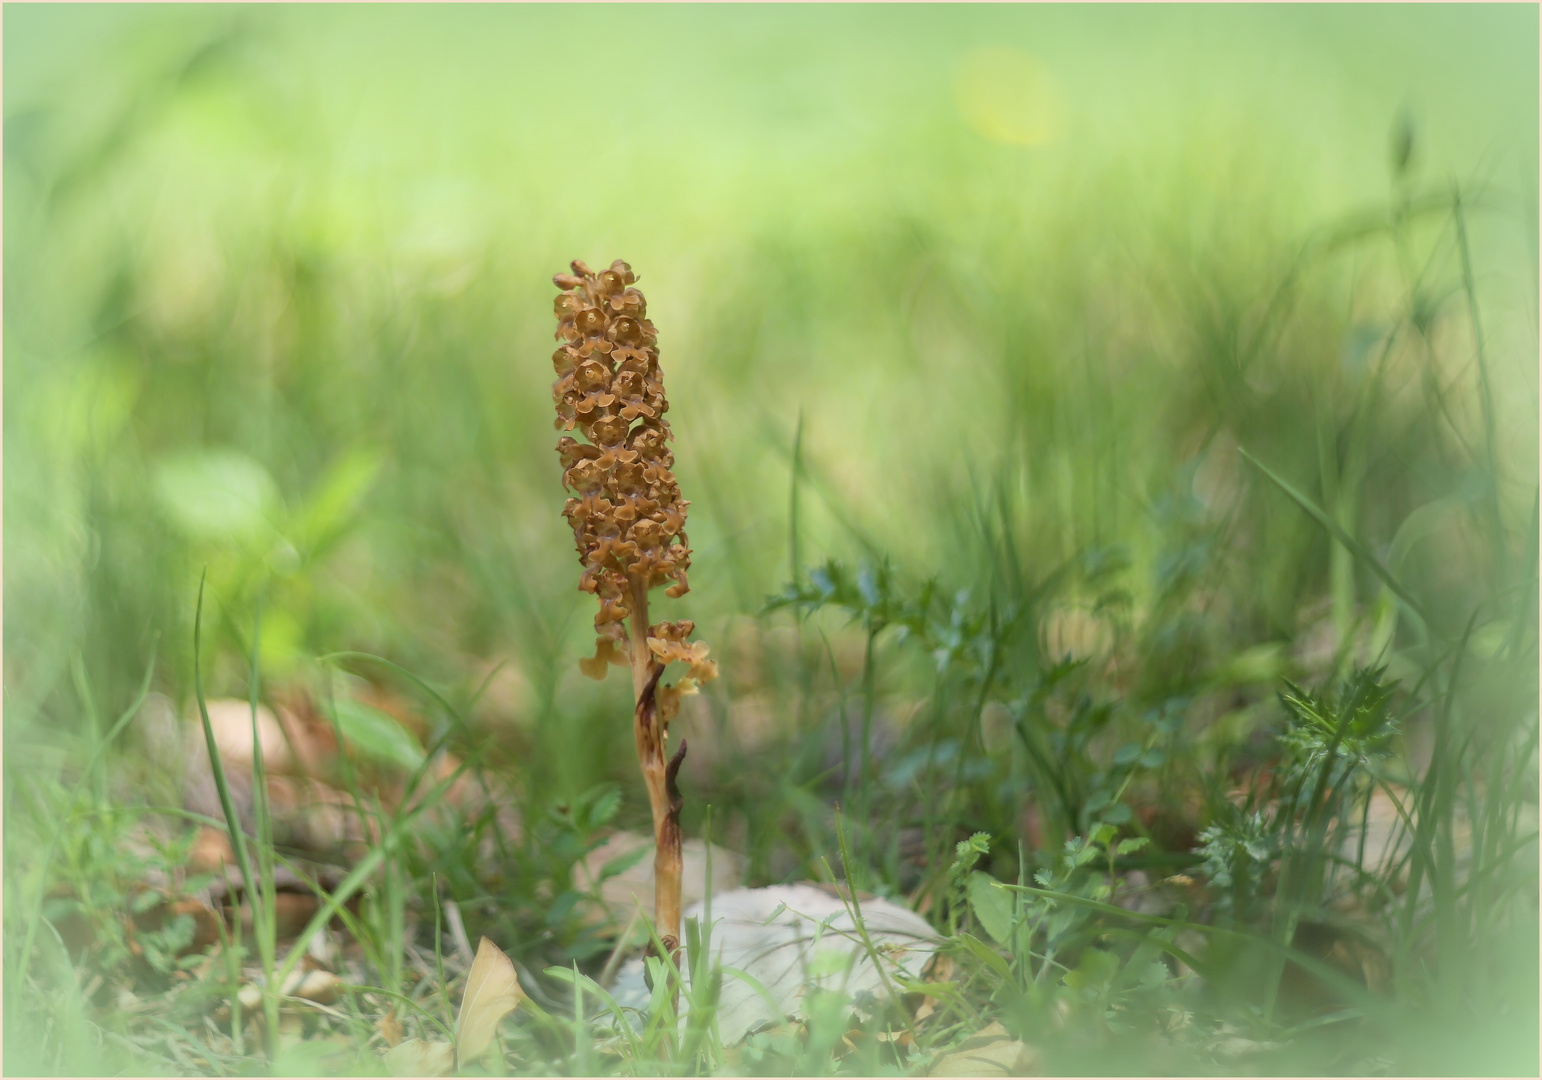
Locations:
277 290
1010 284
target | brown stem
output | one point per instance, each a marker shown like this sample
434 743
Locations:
668 861
658 775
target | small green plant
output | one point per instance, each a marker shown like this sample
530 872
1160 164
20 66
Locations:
1238 855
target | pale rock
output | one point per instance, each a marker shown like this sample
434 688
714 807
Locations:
794 939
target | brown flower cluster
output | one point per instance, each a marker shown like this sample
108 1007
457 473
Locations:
628 518
667 643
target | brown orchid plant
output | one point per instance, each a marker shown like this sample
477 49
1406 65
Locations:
628 523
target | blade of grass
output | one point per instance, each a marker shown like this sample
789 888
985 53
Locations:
1485 391
624 1027
36 912
359 874
264 915
444 992
237 835
794 563
1359 550
825 488
848 898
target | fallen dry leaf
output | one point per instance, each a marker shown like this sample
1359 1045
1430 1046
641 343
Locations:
390 1028
211 850
418 1057
322 987
492 992
1005 1058
989 1052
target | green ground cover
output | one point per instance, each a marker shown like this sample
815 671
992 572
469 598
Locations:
1111 440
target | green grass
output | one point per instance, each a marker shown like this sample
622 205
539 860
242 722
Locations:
1171 479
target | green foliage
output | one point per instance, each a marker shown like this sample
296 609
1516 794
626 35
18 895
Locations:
1238 855
1357 730
1100 441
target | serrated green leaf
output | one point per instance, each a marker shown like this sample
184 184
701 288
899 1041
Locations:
1133 844
978 844
1118 814
622 863
605 807
1094 971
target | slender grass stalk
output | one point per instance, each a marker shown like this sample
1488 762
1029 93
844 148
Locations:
230 952
35 912
255 894
1499 570
444 990
795 564
1360 551
848 898
264 915
381 855
332 902
869 702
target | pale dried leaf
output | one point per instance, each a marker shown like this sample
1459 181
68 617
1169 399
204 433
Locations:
390 1029
1237 1046
211 852
1007 1057
319 986
418 1057
989 1033
492 992
991 1051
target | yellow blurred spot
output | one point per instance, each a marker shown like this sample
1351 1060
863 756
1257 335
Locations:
1007 96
